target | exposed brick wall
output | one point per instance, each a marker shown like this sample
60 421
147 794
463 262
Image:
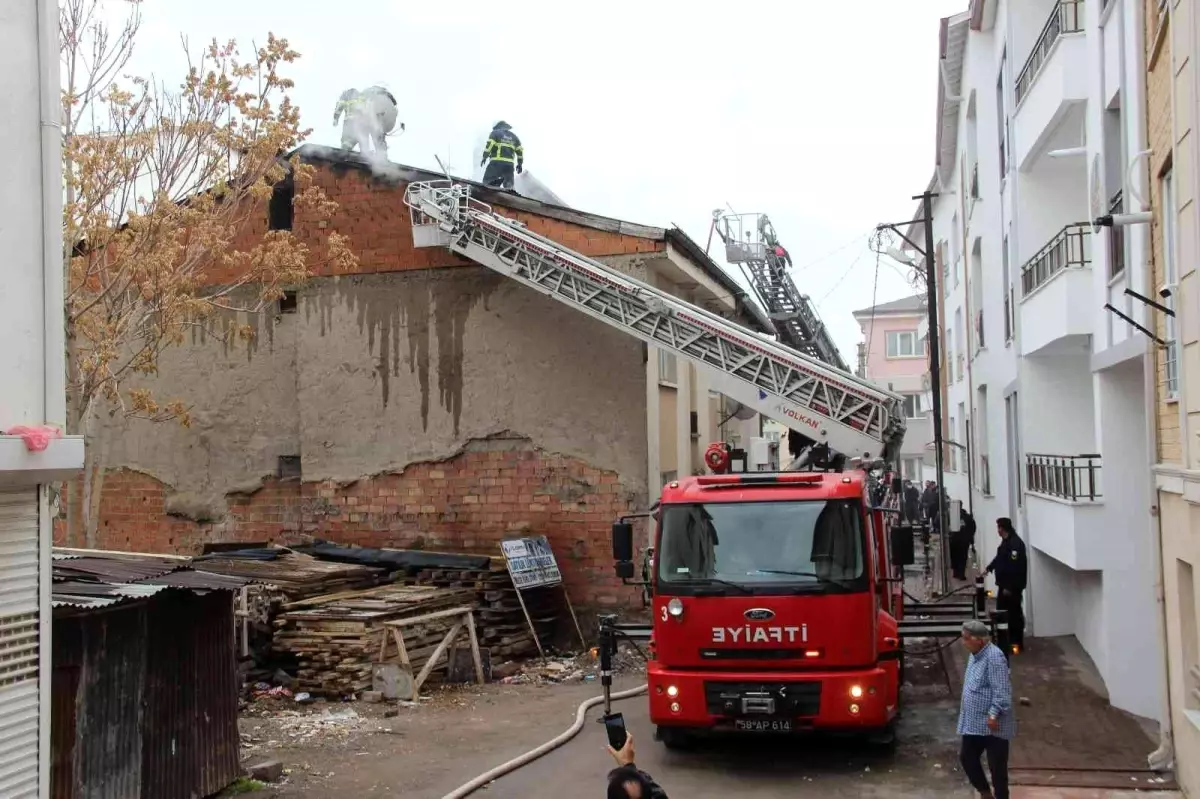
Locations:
493 490
372 214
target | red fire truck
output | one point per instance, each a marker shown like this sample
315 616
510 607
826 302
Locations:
775 606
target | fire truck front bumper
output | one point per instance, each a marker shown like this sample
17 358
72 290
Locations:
772 702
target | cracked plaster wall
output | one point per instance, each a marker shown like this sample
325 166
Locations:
375 372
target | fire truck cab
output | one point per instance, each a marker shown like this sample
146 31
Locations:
775 606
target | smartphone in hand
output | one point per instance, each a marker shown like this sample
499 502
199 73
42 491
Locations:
614 725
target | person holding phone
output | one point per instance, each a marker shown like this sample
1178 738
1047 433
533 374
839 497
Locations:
627 781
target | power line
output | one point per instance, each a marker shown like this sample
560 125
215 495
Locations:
841 279
832 253
874 294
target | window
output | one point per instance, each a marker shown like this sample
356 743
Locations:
953 449
910 469
1189 635
1171 279
912 406
903 344
1002 117
1008 294
668 367
288 467
811 546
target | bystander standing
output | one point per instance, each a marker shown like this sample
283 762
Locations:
985 718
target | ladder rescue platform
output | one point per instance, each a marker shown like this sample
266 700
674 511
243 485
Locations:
826 405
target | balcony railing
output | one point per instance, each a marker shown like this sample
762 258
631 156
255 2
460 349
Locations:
1073 477
1067 249
1067 17
1116 237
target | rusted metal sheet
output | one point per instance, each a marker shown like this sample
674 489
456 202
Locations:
191 736
145 698
199 581
115 570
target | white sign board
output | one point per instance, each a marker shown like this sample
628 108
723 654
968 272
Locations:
530 562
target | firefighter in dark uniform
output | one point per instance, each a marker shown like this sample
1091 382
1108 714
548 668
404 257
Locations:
1011 567
504 150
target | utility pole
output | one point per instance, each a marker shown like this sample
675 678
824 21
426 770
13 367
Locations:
935 368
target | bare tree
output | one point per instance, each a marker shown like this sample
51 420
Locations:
163 184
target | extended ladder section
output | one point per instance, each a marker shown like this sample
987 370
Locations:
750 242
822 403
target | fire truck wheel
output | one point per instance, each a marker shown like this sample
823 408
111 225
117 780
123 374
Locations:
884 739
674 738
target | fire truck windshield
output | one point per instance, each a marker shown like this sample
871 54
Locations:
807 546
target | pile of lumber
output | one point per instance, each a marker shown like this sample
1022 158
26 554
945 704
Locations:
296 574
334 639
499 622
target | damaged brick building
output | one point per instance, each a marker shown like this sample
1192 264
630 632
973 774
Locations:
425 401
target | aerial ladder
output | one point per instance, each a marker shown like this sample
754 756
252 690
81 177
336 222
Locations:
751 243
835 412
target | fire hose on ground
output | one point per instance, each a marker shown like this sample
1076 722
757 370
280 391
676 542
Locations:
607 648
549 746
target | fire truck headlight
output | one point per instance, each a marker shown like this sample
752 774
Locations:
856 691
674 707
854 710
675 607
672 691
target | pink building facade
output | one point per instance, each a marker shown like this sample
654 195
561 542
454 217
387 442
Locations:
893 355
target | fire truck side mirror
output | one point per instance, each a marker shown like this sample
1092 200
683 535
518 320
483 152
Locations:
622 543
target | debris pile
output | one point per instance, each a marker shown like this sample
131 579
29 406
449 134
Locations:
499 620
333 640
584 667
296 574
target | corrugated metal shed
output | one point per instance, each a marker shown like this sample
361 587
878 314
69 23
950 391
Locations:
145 680
116 570
199 581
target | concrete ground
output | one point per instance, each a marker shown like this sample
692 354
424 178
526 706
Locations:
336 751
428 751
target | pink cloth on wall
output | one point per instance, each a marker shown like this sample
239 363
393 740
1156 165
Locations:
36 438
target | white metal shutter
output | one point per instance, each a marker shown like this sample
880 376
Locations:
19 634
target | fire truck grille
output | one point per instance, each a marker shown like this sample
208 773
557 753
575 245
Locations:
789 698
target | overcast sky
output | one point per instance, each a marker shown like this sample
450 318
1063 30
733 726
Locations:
819 114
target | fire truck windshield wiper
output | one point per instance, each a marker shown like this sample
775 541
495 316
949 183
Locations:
718 581
841 583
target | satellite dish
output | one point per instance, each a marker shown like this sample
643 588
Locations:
1096 204
744 413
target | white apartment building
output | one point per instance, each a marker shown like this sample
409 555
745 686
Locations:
1040 131
32 370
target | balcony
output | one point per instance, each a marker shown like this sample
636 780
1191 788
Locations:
1063 495
1074 478
1055 286
1052 82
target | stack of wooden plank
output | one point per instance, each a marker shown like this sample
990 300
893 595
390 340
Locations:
334 639
298 575
499 622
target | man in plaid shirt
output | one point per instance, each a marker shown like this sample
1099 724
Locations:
985 718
